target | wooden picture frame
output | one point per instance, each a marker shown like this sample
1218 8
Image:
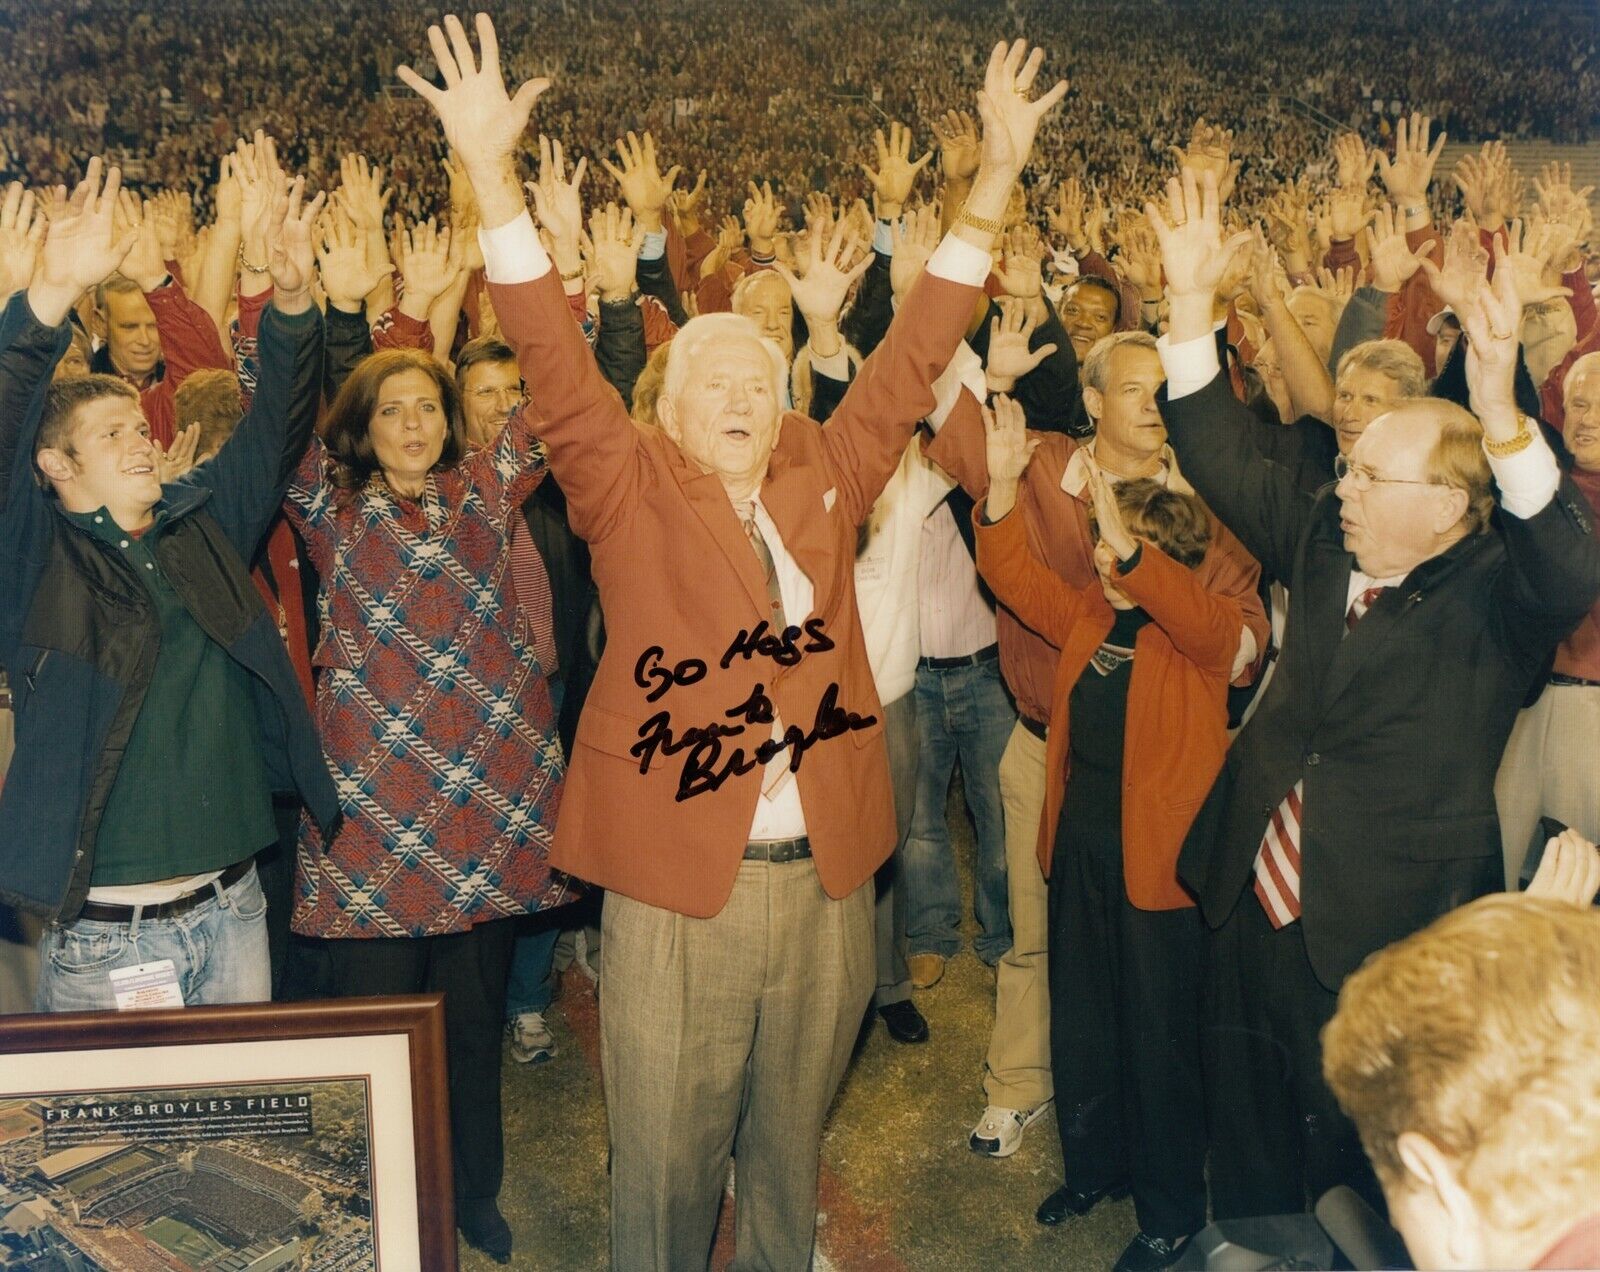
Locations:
106 1117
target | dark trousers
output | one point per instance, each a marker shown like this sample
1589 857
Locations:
1278 1139
470 969
1125 1038
298 962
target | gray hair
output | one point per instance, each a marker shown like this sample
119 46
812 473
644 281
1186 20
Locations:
1097 362
1590 362
707 329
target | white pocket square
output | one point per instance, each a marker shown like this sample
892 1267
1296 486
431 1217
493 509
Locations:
828 497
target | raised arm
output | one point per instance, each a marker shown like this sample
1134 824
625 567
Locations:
248 476
1211 430
1310 387
1553 572
1032 591
872 426
593 445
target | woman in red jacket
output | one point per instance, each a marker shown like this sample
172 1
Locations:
1138 717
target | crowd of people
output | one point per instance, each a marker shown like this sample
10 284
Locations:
785 95
403 562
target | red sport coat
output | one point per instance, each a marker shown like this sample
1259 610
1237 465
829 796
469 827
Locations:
666 822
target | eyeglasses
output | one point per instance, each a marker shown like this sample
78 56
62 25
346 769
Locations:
1364 479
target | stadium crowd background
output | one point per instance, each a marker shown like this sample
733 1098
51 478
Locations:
786 93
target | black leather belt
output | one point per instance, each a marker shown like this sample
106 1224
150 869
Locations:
1038 730
987 654
778 851
99 912
1556 678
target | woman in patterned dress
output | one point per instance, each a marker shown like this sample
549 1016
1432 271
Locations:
437 724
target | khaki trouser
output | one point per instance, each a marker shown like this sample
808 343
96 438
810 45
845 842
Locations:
728 1035
1551 768
1018 1064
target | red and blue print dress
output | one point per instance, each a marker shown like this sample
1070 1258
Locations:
435 716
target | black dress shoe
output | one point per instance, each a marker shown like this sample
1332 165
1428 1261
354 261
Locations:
904 1022
1150 1254
484 1227
1066 1202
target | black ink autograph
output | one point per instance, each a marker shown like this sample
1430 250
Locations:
704 769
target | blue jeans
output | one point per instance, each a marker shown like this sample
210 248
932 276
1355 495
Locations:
965 713
532 983
218 950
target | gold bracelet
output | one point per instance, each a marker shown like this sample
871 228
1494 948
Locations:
1521 442
982 224
248 267
577 273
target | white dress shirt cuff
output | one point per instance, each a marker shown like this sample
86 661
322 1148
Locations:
958 261
512 253
1528 479
964 371
1190 364
883 238
653 246
1247 652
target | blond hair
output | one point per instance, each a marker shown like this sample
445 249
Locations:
1482 1033
1458 460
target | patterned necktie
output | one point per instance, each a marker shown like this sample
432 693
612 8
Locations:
778 772
747 517
1278 858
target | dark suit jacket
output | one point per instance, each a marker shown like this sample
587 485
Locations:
1396 729
574 602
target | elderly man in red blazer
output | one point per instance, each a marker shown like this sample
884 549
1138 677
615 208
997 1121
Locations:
729 785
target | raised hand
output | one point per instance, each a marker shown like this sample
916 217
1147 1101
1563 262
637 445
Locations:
291 258
611 249
1492 321
145 262
688 206
1349 211
830 269
1529 258
558 202
426 263
362 194
1337 285
1190 231
913 240
896 172
1009 356
482 122
347 274
641 181
1210 149
957 135
81 248
1354 161
177 459
761 218
1263 271
1141 260
1568 871
1113 531
1406 178
1007 448
1465 269
1010 118
22 227
1066 219
1021 274
1392 258
730 238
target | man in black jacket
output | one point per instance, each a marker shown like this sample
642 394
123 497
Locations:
1358 804
156 706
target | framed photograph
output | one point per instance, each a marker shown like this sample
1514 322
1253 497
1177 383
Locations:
260 1137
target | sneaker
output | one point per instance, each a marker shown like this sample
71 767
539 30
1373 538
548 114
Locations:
1150 1254
531 1039
926 969
999 1132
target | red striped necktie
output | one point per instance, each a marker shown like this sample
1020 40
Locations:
1278 859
